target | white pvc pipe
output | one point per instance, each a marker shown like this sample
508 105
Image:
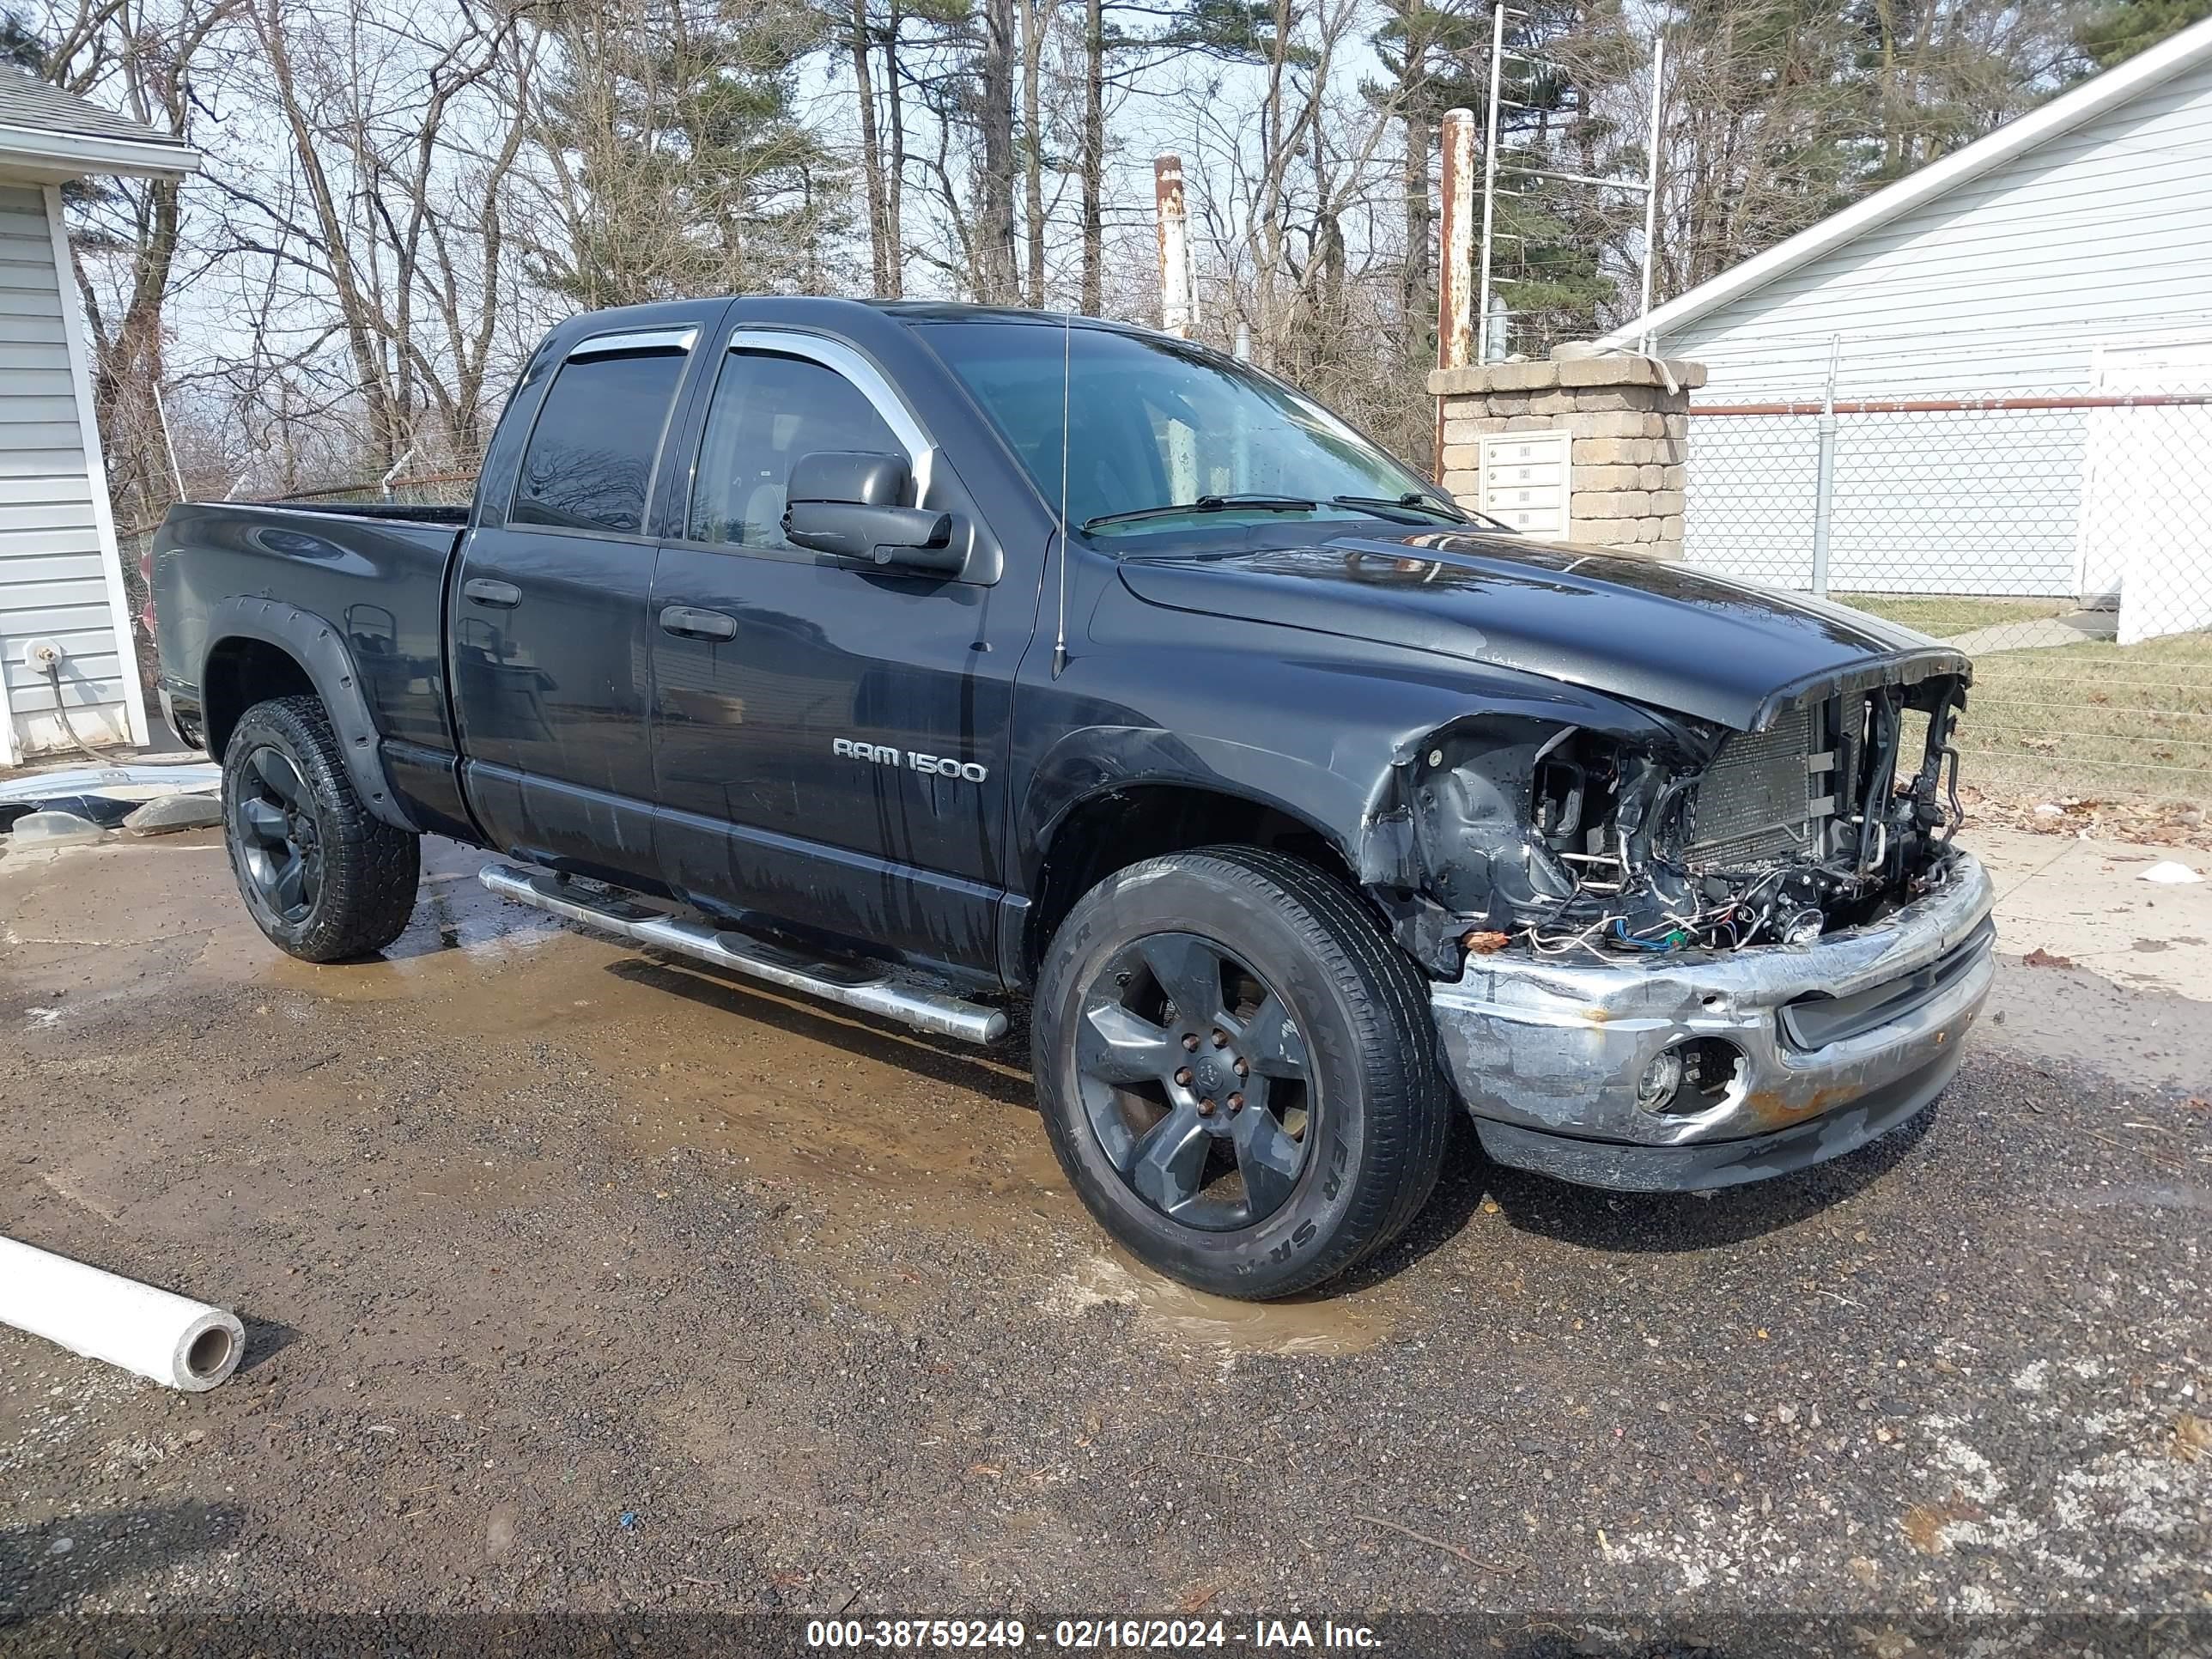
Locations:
178 1343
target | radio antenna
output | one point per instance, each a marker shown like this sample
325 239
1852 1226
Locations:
1060 626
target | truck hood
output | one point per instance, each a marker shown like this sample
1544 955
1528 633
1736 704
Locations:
1643 630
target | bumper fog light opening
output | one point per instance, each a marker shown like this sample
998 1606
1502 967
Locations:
1692 1077
1662 1080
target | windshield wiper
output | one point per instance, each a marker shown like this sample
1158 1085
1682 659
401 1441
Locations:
1208 504
1387 507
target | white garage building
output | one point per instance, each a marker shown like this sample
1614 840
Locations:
61 583
2016 342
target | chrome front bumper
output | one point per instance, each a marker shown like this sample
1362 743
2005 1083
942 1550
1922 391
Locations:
1547 1052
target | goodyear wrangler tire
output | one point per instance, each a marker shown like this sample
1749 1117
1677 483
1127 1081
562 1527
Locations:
1237 1070
323 878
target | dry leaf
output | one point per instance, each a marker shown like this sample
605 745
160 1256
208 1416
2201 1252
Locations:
2192 1438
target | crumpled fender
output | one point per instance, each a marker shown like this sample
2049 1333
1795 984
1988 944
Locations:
1336 746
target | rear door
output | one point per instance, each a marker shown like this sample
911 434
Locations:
829 739
552 671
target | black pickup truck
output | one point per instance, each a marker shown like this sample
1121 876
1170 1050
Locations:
923 656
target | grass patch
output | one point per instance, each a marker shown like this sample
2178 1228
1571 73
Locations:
2093 720
1943 615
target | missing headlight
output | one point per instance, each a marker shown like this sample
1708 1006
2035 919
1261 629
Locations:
1755 843
1690 1078
1664 836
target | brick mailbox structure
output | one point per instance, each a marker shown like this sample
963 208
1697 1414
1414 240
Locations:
1581 449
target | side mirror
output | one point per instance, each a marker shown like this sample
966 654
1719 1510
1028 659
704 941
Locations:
846 502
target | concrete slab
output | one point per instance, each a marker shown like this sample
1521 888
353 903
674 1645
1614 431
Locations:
2102 968
2085 901
2072 628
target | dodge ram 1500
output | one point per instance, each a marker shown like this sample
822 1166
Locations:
923 656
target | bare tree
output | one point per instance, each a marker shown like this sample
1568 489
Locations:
997 280
883 232
129 240
1037 17
1094 154
401 194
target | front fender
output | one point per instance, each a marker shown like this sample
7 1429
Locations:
320 649
1331 737
1092 760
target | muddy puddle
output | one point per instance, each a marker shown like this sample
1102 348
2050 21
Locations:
868 1139
144 910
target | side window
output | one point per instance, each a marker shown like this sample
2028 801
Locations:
589 465
767 411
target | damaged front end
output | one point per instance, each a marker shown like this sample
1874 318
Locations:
1673 954
1673 834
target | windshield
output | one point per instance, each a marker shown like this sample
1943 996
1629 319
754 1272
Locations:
1154 423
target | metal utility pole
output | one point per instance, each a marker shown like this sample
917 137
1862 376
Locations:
1489 173
1651 179
1824 498
1177 314
169 443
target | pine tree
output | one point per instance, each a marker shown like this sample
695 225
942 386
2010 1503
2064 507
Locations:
19 45
688 170
2124 27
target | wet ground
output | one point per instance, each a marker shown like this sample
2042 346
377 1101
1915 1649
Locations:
575 1278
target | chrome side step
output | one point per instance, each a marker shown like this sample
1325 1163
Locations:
859 986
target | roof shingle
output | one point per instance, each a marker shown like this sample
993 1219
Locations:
30 105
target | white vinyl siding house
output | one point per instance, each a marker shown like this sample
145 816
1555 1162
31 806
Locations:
61 581
2065 257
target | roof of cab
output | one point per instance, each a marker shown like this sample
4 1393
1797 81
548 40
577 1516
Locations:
826 309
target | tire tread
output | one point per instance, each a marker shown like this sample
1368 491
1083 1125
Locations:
371 869
1408 1103
1412 1133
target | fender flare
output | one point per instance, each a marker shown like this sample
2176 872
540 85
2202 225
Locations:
319 648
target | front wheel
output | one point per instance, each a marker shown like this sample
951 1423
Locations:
322 877
1237 1070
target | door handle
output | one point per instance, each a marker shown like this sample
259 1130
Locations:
687 621
505 595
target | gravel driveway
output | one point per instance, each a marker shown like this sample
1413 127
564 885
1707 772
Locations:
579 1280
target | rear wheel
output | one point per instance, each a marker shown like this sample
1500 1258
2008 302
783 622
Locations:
1237 1070
322 878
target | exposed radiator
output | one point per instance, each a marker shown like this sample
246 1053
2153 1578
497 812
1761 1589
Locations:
1767 796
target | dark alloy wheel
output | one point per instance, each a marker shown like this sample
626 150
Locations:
280 845
1238 1068
322 878
1193 1078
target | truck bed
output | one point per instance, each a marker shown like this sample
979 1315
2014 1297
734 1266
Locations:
373 573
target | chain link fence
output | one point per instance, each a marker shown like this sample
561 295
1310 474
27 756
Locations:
2058 530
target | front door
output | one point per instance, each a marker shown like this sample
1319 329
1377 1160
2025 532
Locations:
830 738
552 673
